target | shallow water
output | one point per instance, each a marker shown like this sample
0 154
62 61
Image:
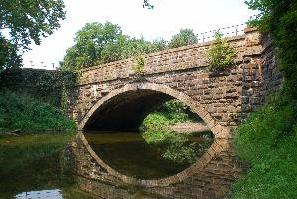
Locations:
131 155
30 164
30 168
49 194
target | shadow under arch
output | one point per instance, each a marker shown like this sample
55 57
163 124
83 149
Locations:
221 134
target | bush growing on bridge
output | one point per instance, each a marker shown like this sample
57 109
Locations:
220 55
138 66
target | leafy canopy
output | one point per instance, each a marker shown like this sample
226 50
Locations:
279 18
98 43
26 21
183 38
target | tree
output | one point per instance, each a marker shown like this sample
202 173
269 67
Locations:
183 38
278 17
8 54
26 21
98 43
95 43
135 47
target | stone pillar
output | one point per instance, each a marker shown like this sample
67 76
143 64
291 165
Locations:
252 75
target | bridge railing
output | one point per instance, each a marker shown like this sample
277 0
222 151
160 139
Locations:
228 31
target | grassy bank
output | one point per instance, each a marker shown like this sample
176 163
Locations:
267 142
19 111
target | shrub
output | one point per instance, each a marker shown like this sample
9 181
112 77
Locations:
19 111
220 55
173 146
138 66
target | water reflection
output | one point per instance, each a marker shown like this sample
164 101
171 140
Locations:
44 194
131 155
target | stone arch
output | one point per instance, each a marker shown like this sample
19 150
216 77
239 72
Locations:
221 134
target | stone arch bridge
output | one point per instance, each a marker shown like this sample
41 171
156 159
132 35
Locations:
113 97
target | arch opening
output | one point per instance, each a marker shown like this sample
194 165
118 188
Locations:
122 112
126 111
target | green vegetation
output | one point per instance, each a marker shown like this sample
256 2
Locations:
138 67
174 146
220 54
47 86
18 111
279 19
267 141
33 162
26 21
98 43
183 38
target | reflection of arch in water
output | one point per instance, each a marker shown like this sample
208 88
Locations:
125 108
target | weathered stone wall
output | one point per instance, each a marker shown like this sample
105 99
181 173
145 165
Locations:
221 99
228 96
45 85
211 181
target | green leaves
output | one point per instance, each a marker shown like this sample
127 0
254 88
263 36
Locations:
220 55
183 38
278 17
27 21
9 56
267 140
98 43
19 111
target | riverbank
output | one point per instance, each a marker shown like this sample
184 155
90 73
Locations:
29 115
267 143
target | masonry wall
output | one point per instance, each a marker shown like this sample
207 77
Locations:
227 97
45 85
212 181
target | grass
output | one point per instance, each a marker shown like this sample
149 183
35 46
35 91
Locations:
267 142
19 111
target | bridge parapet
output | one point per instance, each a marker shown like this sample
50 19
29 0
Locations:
228 96
182 58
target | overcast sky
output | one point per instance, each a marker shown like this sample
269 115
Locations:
165 20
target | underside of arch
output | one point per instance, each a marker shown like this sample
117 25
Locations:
126 111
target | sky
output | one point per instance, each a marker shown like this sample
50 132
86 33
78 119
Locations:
164 21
